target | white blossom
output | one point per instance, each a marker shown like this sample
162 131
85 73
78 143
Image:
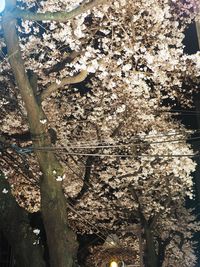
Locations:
5 191
36 231
43 121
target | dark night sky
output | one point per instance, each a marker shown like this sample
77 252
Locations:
191 47
191 40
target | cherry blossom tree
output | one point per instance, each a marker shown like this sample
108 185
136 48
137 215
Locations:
86 93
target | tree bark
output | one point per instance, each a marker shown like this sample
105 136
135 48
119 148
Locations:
196 146
198 31
14 223
61 240
61 16
151 258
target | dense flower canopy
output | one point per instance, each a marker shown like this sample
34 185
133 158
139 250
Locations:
106 80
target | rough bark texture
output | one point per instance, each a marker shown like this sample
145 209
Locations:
61 240
14 223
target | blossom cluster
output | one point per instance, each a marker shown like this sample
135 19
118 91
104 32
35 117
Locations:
122 152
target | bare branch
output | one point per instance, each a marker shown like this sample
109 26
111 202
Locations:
60 16
68 80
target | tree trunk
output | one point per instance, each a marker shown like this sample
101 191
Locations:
14 223
196 146
151 258
61 240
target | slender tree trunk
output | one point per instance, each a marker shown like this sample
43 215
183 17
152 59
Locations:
151 258
196 146
198 31
14 223
61 240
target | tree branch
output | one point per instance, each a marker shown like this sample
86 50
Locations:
86 179
152 220
68 80
61 64
60 16
140 212
162 245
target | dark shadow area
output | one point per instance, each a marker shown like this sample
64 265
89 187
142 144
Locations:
191 40
85 242
6 255
192 121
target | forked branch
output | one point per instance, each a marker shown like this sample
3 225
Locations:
68 80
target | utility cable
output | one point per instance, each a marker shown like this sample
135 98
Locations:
135 156
129 145
64 149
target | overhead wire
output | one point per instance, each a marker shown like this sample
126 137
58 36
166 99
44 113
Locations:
135 156
137 137
98 154
117 146
132 144
98 232
65 149
90 146
101 235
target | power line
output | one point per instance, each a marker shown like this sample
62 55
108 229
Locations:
99 232
135 156
65 149
100 146
101 235
130 144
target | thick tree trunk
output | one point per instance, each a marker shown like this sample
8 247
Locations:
151 258
61 240
14 223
